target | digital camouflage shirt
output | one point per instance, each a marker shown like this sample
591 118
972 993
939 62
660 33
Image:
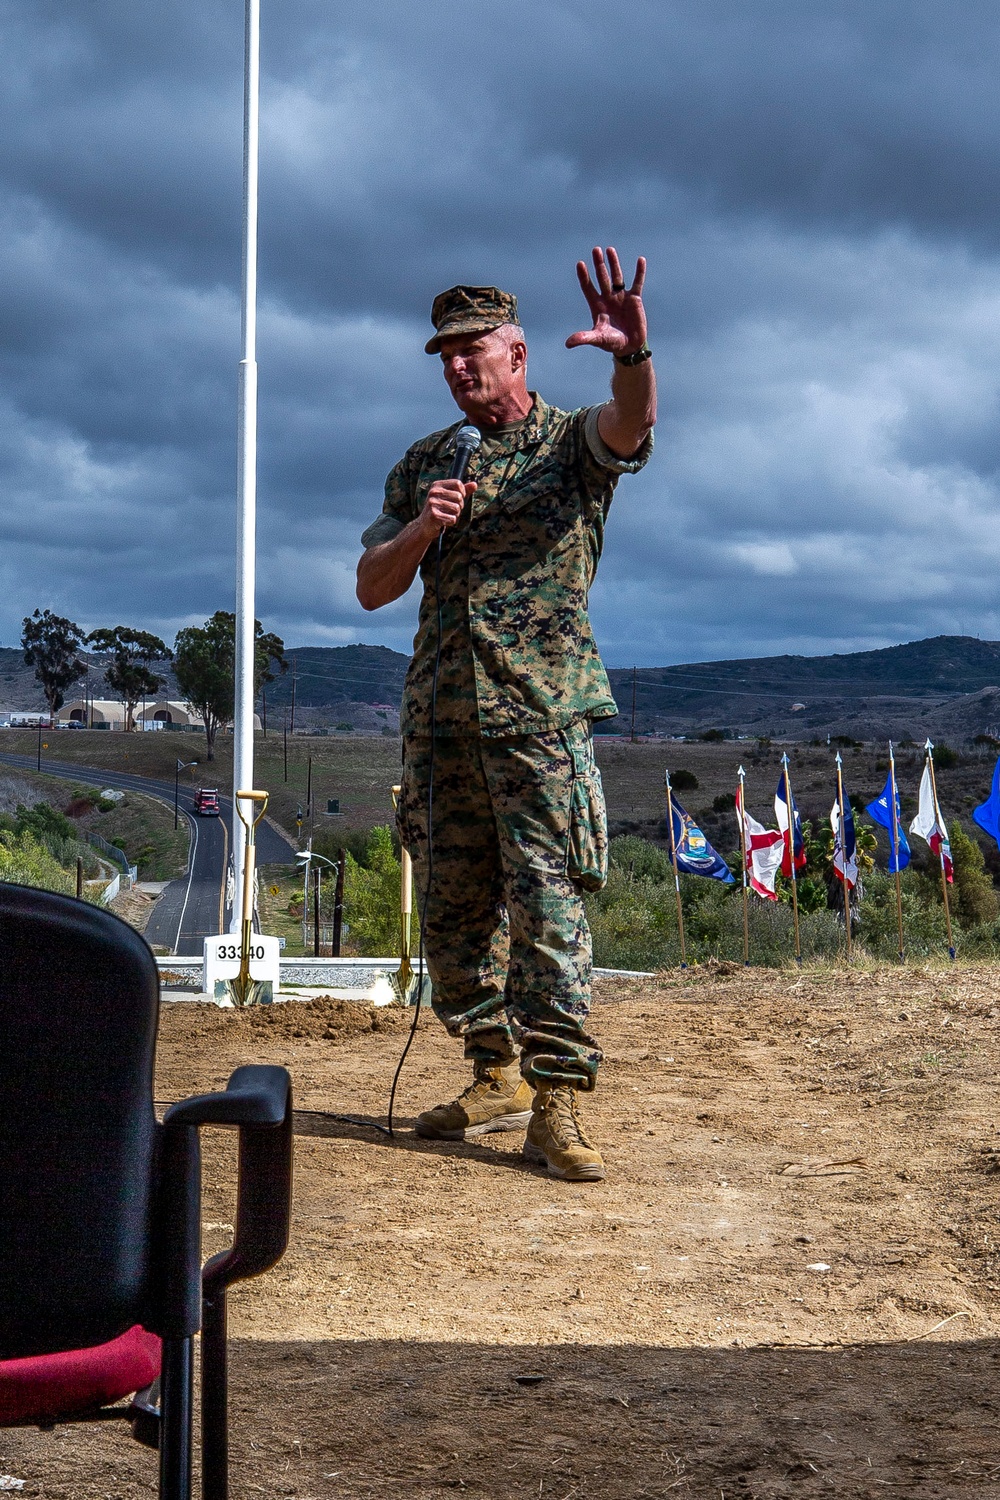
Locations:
517 652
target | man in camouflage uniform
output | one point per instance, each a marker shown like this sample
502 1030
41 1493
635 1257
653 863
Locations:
502 748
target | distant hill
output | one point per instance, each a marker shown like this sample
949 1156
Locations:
947 687
947 684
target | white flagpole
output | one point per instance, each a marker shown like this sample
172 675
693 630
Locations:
246 483
929 748
740 810
895 848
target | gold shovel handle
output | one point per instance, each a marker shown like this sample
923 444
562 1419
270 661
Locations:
260 797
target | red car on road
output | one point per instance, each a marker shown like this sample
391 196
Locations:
206 802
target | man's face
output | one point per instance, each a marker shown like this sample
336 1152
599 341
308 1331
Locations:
482 369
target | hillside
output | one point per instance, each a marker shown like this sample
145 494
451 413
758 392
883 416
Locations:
944 686
947 687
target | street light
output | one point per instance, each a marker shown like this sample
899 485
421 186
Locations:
306 856
182 765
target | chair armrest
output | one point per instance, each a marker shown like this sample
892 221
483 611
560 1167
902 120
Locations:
254 1095
258 1100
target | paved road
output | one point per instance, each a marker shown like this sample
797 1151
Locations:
193 907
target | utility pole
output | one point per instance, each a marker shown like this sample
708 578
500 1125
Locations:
316 880
295 669
284 742
39 743
633 705
338 905
263 710
309 790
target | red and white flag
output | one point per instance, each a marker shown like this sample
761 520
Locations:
928 825
765 847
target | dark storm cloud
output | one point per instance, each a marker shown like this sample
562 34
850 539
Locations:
814 187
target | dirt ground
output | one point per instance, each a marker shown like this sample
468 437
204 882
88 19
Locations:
787 1286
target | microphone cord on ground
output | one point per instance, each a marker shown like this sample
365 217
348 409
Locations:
467 442
430 838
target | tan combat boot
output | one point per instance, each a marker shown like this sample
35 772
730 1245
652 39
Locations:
497 1099
556 1139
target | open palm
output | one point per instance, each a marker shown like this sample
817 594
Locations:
618 314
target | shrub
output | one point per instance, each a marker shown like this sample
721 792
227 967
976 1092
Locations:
24 860
634 919
924 929
684 781
975 900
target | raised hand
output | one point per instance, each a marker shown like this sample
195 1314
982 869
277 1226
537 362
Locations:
618 314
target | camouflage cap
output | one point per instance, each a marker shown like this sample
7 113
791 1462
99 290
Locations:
469 309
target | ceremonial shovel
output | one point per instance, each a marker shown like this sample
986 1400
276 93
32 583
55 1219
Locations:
243 989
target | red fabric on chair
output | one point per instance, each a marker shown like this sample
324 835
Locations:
56 1387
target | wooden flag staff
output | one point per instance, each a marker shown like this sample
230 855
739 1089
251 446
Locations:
791 857
895 849
929 748
677 878
740 806
843 855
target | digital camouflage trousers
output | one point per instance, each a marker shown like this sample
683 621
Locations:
519 832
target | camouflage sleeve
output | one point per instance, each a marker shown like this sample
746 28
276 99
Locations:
397 508
603 454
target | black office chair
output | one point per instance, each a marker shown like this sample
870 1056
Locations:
100 1206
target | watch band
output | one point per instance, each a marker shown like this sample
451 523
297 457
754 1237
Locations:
637 358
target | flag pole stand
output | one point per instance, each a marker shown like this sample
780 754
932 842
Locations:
677 878
895 854
845 883
791 859
741 796
944 878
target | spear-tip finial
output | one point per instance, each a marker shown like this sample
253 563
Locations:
839 761
927 745
741 773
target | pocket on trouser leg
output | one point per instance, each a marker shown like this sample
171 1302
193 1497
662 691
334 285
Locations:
588 830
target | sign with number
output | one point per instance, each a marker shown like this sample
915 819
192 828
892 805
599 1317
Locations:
222 959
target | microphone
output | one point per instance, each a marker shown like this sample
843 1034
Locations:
466 443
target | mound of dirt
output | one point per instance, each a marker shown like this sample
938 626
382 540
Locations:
326 1018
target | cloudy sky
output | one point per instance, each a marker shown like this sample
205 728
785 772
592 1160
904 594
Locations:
814 183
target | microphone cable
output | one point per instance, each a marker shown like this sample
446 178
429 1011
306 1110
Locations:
387 1129
467 441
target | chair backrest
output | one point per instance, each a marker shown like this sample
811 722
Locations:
79 1001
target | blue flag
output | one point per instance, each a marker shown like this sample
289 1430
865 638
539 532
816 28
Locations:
987 814
695 855
881 811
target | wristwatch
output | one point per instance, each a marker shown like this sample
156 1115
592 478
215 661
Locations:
637 358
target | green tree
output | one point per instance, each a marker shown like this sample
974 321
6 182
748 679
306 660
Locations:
129 673
371 898
975 899
50 644
205 667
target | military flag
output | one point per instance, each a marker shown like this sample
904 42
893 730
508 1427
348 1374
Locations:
880 810
845 844
791 828
987 814
885 810
694 854
765 849
929 825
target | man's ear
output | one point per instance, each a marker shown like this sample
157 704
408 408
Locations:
518 355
